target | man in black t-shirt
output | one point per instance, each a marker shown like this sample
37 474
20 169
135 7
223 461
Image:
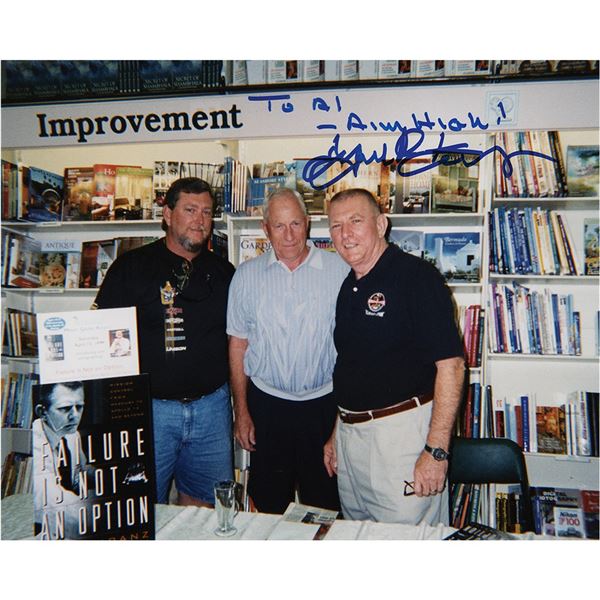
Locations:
180 290
398 376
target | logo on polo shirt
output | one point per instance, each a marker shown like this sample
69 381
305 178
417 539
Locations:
375 303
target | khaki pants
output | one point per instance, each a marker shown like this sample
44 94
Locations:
375 458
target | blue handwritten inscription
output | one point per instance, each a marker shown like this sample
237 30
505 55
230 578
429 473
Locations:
408 146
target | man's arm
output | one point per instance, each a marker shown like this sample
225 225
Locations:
243 425
330 454
430 474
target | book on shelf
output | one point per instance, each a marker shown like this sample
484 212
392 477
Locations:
133 198
526 321
45 191
509 509
166 172
408 240
395 69
564 424
22 263
591 246
455 182
456 254
551 429
530 241
374 177
324 243
19 333
457 68
578 509
313 70
98 482
96 258
412 190
219 243
470 323
314 196
284 71
17 474
341 70
429 68
59 263
538 169
260 188
79 190
10 196
583 170
16 399
251 246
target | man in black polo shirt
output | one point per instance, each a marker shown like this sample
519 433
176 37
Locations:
180 291
398 377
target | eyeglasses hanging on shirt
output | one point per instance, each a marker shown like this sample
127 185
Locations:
181 277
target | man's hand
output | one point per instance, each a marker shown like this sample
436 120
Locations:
244 431
330 456
429 475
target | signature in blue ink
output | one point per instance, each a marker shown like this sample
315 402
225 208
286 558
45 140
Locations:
408 146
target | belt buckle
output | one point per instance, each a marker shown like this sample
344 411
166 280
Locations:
370 413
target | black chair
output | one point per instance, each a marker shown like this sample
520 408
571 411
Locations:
497 460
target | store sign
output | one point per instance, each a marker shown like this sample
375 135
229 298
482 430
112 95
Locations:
441 109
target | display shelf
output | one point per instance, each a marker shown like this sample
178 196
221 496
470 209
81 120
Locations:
565 202
559 470
570 279
519 356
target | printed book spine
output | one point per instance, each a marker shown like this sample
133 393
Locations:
570 255
525 423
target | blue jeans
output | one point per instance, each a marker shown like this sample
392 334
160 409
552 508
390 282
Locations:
193 442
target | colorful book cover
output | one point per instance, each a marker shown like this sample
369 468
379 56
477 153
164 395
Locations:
550 438
79 190
313 198
457 255
413 186
591 240
455 184
133 194
93 460
324 243
408 240
46 190
251 246
24 262
582 170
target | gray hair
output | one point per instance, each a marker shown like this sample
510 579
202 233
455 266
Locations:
282 192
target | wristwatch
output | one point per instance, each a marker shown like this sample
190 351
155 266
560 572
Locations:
437 453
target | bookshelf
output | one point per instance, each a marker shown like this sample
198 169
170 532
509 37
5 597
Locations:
270 136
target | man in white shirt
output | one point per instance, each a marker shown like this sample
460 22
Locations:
280 320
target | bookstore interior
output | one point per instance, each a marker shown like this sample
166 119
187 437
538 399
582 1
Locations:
488 169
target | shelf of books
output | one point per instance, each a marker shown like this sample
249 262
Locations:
517 246
541 364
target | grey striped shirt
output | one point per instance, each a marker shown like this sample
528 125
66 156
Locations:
288 319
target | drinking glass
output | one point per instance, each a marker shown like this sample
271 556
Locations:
225 507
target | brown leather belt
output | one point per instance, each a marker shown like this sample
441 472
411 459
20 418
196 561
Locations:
370 415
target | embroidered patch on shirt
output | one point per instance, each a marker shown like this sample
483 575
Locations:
375 303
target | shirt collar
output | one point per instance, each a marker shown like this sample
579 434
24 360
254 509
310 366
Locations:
314 259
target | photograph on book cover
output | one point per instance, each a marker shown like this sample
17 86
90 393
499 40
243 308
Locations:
90 344
93 460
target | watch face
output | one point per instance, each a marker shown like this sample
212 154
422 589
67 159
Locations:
439 454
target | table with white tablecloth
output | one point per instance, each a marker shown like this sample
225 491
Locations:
195 523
